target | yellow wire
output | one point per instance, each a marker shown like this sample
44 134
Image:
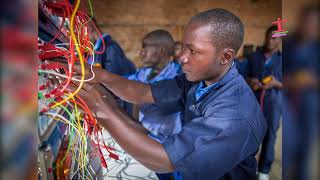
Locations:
79 53
62 120
83 148
83 159
83 139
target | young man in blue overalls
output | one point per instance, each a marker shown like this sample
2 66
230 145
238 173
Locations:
265 78
223 125
156 54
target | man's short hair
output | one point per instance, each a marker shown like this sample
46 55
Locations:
162 38
226 28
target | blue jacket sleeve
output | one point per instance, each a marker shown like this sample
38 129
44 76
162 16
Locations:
171 94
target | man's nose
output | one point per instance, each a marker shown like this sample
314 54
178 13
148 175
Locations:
184 57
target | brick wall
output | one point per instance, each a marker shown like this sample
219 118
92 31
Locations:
129 20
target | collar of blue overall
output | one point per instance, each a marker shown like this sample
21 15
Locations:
203 90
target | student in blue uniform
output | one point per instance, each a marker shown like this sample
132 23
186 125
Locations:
156 54
301 71
242 61
267 62
223 125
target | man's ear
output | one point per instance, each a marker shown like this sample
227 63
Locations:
162 51
228 55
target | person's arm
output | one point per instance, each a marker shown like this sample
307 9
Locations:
130 91
124 130
136 142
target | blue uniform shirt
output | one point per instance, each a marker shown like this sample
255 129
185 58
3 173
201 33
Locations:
170 71
221 132
160 123
259 67
242 67
202 89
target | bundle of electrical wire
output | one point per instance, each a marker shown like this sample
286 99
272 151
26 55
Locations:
82 126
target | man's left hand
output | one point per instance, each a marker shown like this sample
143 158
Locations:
274 83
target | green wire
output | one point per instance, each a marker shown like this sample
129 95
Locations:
40 95
91 12
71 133
68 149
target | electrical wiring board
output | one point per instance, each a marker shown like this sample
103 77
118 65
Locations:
70 139
71 143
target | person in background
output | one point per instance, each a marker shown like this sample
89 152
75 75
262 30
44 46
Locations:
156 54
242 61
223 125
265 78
301 71
242 64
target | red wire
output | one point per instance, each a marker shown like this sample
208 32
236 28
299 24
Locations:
60 28
262 99
67 7
67 82
103 43
83 38
94 121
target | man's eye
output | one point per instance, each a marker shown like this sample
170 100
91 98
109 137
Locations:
192 51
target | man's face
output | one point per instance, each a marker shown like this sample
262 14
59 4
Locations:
149 53
273 43
199 57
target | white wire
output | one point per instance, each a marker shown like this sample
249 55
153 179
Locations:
84 164
63 118
64 76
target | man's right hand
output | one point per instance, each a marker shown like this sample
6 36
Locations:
88 74
77 72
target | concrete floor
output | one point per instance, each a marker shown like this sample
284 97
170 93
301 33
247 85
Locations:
276 170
